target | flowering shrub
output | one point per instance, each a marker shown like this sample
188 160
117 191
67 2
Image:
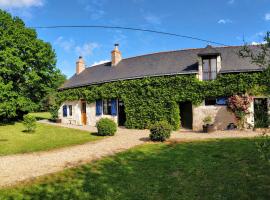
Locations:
239 105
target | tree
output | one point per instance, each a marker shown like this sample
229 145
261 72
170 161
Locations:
27 68
261 57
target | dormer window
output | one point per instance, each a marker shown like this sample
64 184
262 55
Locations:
209 67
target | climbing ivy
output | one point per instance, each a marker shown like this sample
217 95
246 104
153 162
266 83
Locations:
152 99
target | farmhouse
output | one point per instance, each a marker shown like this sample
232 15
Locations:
182 87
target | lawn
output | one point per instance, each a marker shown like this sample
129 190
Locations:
14 140
41 115
221 169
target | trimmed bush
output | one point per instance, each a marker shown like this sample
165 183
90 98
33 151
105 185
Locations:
54 112
160 131
106 127
29 122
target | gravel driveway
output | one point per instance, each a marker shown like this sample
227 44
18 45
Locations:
16 168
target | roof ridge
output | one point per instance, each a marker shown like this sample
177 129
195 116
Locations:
187 49
169 51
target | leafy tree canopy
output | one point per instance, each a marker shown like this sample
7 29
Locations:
28 72
261 58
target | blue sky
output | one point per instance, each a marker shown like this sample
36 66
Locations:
224 21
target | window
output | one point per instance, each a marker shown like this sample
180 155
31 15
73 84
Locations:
64 111
221 101
107 107
70 110
209 68
210 101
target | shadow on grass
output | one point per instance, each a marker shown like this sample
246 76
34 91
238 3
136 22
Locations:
95 134
145 139
211 170
28 132
5 123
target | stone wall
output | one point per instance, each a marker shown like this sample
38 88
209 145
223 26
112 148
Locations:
220 115
76 114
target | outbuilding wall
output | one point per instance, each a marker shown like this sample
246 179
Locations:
76 113
75 119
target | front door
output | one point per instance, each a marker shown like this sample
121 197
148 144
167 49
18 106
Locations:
121 113
83 113
186 114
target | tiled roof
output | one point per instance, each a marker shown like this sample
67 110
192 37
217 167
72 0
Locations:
162 63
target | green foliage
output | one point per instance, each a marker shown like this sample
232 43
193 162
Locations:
260 58
152 99
27 68
106 127
263 147
160 131
261 116
29 122
54 112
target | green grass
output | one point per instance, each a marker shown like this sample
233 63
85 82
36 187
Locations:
14 140
41 115
224 169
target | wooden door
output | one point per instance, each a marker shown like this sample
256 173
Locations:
83 113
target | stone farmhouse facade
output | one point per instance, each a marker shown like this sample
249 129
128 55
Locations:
206 63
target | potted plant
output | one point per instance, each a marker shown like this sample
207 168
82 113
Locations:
207 124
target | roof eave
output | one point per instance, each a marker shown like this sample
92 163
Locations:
129 78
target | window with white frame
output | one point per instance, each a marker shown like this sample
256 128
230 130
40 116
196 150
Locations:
209 67
107 107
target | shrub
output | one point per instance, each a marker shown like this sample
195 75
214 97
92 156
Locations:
29 122
54 112
160 131
239 105
106 127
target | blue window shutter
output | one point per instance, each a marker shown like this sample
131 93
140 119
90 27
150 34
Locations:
113 107
64 111
98 107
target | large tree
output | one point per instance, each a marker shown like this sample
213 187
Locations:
28 72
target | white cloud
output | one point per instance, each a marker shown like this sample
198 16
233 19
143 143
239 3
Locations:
224 21
258 43
95 13
100 62
153 19
9 4
94 7
86 49
267 17
231 1
67 45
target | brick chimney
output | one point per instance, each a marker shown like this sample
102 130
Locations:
116 55
80 66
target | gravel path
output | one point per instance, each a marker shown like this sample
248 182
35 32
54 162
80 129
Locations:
21 167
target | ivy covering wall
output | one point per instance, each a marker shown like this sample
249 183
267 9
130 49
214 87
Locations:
157 98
